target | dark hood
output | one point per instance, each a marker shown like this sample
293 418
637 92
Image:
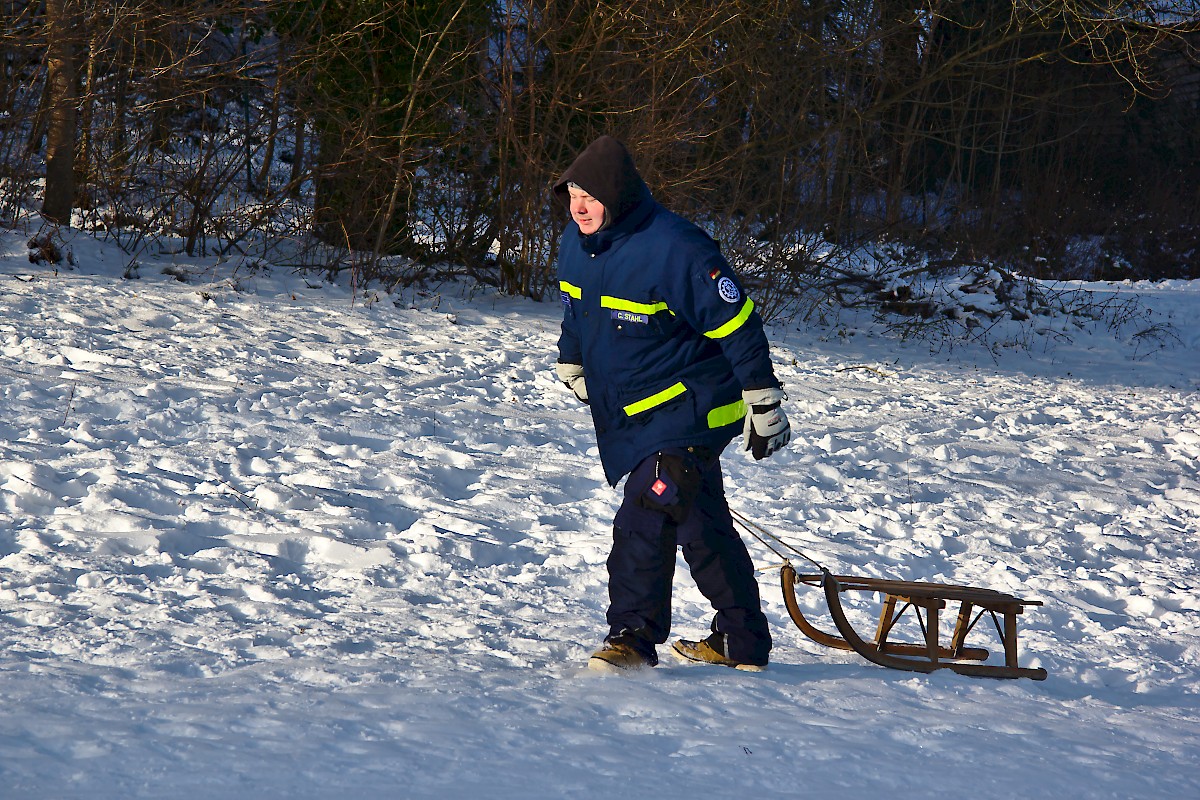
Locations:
605 170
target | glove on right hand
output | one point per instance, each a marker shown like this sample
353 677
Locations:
767 429
572 376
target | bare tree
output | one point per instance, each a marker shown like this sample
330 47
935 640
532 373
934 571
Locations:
63 97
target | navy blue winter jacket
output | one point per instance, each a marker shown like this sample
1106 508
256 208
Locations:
666 335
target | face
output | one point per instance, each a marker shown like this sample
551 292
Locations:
586 210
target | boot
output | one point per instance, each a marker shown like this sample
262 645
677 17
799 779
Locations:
706 651
623 652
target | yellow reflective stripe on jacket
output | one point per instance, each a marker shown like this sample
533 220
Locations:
617 304
656 399
721 416
572 291
733 324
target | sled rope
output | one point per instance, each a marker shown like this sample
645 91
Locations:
762 535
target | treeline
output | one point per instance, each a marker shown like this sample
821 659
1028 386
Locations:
390 136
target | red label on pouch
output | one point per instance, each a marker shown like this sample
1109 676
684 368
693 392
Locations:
658 488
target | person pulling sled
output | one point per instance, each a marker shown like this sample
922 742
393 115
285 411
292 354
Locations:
660 340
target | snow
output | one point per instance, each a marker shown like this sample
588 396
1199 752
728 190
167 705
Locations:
266 538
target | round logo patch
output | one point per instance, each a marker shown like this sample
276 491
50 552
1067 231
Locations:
728 290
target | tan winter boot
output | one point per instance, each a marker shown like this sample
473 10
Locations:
705 653
619 655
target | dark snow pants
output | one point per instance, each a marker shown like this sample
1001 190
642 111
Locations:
677 498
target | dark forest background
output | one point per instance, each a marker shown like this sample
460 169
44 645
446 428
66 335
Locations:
402 139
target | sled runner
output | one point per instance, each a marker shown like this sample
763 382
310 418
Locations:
925 600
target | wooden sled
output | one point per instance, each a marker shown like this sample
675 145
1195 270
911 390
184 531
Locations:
925 600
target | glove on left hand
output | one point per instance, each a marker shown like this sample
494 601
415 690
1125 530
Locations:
767 429
572 376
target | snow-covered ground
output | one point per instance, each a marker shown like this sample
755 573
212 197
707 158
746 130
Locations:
260 538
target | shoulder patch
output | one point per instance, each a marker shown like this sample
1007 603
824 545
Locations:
728 290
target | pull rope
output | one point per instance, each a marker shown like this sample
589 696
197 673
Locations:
762 535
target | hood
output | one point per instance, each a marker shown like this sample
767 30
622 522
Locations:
605 170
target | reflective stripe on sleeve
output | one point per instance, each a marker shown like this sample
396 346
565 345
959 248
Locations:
618 304
721 416
656 399
571 290
733 324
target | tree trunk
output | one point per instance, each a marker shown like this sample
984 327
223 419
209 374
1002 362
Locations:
299 128
263 181
62 80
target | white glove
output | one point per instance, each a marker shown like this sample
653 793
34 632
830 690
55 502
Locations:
572 376
767 429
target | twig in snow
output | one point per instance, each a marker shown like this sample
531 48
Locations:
70 402
868 368
240 496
